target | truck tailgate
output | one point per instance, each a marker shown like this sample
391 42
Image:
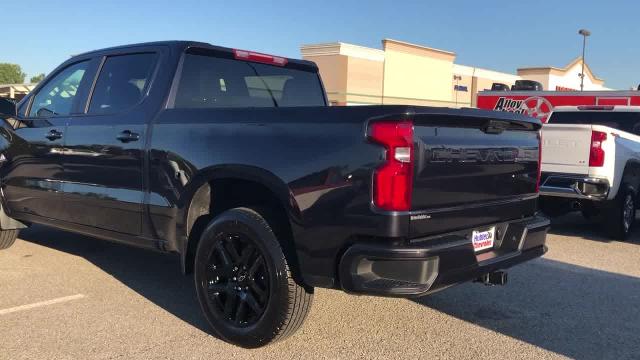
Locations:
472 170
566 148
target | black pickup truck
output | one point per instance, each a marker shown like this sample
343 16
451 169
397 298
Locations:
233 160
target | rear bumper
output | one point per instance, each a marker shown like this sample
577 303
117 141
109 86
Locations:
430 264
574 187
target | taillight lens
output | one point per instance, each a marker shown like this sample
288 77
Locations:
393 181
539 161
596 155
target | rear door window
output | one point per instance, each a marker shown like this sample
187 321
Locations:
212 82
122 83
625 121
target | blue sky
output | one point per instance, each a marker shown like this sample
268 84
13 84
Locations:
500 35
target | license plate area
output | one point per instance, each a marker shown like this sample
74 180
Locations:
483 239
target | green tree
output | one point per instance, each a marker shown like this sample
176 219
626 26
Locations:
11 74
37 78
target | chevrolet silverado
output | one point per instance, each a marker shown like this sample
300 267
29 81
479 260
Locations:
232 160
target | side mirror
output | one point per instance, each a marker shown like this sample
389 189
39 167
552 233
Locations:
8 108
44 113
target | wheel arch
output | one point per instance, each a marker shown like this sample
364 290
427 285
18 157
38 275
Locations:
631 176
254 187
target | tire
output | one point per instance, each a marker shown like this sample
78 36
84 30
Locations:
7 238
243 281
589 211
620 216
588 215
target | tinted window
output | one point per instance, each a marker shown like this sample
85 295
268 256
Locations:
57 95
209 82
625 121
22 108
121 83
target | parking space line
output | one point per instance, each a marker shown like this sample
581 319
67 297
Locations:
41 303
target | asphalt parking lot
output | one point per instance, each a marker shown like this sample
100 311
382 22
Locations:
66 296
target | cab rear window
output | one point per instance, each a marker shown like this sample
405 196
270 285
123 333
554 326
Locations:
625 121
212 82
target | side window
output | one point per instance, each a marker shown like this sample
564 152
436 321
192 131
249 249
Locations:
22 108
121 83
56 96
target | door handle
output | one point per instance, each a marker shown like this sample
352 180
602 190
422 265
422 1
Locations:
54 135
127 136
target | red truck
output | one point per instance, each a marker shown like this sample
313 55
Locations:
539 104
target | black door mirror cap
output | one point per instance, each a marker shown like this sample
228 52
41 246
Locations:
8 107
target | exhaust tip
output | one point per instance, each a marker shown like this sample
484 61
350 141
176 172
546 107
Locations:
494 278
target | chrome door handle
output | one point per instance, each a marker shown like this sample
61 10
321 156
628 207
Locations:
127 136
54 135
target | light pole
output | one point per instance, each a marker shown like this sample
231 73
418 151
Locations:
584 33
457 78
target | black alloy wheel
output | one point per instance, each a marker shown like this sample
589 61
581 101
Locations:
244 285
628 212
237 279
621 214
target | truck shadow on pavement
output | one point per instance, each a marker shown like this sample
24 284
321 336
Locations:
574 224
571 310
154 275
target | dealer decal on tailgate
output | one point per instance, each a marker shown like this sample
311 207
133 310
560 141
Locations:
483 240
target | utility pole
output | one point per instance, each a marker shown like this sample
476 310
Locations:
584 33
457 78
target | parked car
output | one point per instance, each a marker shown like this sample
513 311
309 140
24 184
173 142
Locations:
591 162
233 160
527 85
500 87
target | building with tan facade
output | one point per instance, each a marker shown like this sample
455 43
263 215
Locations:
563 79
404 73
15 91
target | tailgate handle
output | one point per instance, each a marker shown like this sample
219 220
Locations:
494 127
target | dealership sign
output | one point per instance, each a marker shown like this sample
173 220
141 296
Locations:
539 104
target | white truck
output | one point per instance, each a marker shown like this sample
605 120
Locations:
591 163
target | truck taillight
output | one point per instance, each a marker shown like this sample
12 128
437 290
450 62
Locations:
596 154
393 181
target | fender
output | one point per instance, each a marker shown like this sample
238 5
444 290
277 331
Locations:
197 198
631 175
